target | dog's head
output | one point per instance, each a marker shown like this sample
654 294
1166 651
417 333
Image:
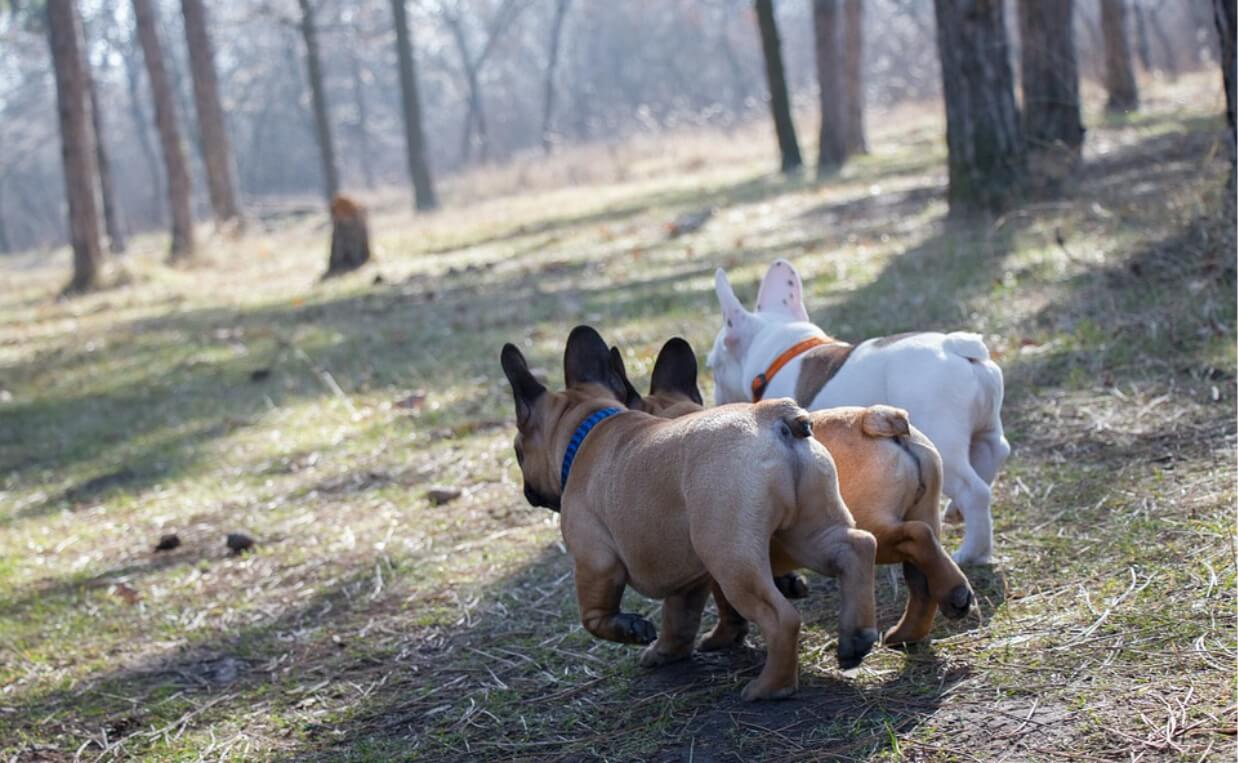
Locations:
545 420
780 300
673 391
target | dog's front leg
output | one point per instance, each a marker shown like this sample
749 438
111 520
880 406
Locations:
600 580
681 619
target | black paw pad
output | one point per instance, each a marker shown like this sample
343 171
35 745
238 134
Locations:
792 585
634 629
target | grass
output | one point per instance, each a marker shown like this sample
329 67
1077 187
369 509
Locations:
241 395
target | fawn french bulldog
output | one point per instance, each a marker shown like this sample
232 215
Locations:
725 495
889 475
946 382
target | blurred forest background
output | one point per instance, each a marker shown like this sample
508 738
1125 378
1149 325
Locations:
288 99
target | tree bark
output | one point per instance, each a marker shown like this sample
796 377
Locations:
350 237
853 75
552 62
1119 74
414 137
775 77
176 170
832 143
322 119
64 38
107 189
216 147
1142 49
475 117
983 135
141 128
1224 16
363 120
1052 123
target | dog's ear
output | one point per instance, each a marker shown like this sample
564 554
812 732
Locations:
736 321
631 396
675 370
526 389
586 360
782 291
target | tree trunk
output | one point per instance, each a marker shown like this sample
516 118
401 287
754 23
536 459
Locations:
176 170
1052 124
552 62
216 147
1142 48
983 135
1119 74
1162 39
350 237
779 102
107 189
853 75
363 120
832 143
322 120
414 137
475 117
1227 24
141 127
64 38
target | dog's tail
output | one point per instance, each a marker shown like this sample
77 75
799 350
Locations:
814 479
967 345
918 451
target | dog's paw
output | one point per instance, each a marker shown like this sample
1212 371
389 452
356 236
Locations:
652 658
957 604
755 691
792 585
717 641
965 558
853 648
634 629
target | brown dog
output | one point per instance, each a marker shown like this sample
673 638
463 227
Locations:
889 475
670 506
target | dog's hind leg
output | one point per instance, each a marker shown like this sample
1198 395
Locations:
988 452
974 498
848 554
681 619
747 585
731 628
932 578
600 580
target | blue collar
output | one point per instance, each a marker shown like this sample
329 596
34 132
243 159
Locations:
578 437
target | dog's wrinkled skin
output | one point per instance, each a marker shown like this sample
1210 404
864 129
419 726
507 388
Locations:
669 506
946 382
889 475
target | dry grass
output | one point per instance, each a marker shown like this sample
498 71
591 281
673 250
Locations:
371 624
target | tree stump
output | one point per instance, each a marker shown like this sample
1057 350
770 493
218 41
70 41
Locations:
350 237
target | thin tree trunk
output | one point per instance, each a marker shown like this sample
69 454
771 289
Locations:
552 62
64 37
363 120
141 127
853 75
1119 74
176 169
832 143
1162 39
107 189
779 102
1141 37
1052 124
1224 16
216 146
322 120
475 117
410 101
983 136
6 245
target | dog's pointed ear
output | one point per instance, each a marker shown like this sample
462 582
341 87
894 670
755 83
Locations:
736 321
675 370
782 291
586 360
631 396
526 389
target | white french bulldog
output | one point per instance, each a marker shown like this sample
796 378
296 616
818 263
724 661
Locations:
946 382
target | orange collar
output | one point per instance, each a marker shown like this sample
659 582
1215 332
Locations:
762 380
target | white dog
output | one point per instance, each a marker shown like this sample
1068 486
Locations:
946 382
